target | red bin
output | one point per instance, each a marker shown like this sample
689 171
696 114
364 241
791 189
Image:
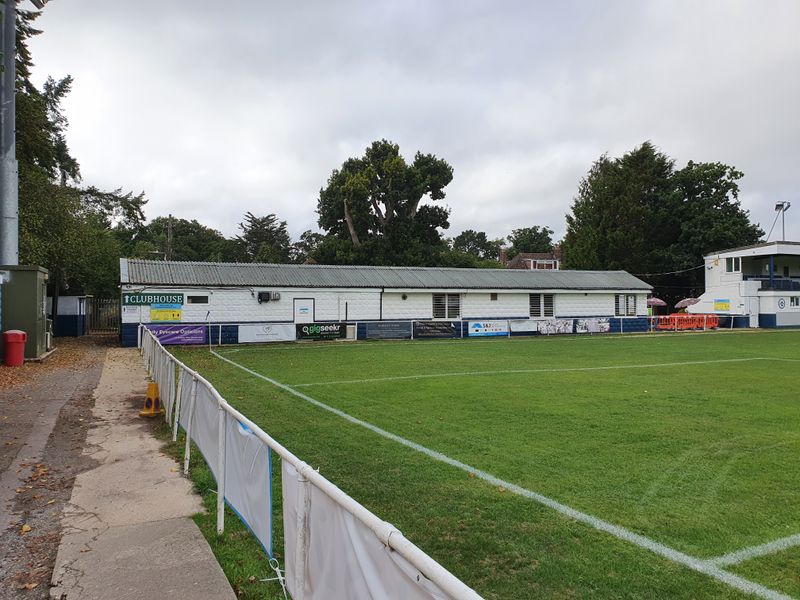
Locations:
14 341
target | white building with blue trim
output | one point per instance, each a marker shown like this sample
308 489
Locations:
759 286
236 302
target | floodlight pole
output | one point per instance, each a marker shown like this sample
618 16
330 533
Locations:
9 168
9 191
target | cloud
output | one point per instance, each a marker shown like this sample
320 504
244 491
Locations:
214 113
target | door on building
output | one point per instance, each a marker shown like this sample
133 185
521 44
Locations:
303 310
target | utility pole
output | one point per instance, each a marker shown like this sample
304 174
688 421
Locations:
9 191
168 253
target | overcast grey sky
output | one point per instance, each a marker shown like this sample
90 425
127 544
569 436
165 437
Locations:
215 109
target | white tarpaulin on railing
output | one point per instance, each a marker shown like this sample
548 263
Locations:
248 480
185 405
345 559
205 427
166 387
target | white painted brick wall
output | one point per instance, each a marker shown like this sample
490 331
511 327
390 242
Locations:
240 305
479 305
417 305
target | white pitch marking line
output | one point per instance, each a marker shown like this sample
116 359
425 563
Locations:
756 551
554 370
696 564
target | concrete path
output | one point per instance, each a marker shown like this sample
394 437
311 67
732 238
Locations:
126 530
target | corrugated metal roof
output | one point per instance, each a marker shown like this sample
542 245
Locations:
173 273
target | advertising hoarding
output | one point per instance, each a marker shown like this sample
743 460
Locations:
180 334
592 325
267 332
321 331
398 330
487 328
434 329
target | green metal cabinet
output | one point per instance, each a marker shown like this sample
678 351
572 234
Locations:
23 305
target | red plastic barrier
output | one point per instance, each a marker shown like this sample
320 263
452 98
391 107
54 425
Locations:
684 322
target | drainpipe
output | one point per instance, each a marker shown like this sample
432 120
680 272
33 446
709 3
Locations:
380 309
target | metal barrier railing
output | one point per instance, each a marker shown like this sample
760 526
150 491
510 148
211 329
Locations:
162 366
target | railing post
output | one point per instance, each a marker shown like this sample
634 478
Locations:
188 445
220 470
303 535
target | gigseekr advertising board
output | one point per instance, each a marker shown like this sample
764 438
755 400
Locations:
321 331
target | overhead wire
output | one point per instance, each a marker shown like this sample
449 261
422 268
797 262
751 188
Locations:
669 272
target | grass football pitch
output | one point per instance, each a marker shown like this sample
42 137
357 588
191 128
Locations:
640 466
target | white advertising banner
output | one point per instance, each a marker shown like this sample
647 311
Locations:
555 326
267 332
205 427
524 326
345 559
248 480
592 325
487 328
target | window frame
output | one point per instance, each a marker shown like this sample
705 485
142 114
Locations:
733 264
541 305
449 306
197 299
624 305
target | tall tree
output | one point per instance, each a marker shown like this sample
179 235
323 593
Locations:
63 227
530 239
263 239
190 240
639 214
375 203
478 244
307 246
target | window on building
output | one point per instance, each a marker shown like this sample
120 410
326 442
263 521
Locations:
794 301
492 297
197 299
446 306
733 264
542 305
625 305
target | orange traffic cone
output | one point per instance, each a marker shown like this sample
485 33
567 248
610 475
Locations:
152 402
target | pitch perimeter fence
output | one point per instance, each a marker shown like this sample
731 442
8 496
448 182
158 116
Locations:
333 546
235 333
